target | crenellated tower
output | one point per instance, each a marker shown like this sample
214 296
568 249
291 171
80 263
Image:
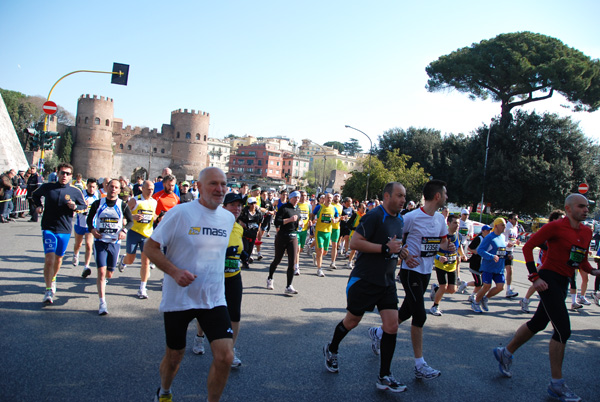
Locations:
189 150
92 149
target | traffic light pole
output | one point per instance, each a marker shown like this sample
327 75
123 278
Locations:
119 70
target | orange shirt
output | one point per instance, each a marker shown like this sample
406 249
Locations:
165 201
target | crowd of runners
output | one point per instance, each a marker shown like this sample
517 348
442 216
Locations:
172 223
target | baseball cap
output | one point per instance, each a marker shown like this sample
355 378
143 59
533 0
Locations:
295 194
251 200
465 211
232 197
185 183
486 227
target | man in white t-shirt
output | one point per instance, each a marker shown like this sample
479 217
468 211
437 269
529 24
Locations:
196 235
511 236
425 231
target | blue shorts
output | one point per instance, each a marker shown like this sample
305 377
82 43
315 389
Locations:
107 254
55 242
134 239
487 277
81 230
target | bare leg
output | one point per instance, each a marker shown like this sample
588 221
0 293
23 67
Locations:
169 366
77 244
145 268
557 354
49 262
89 242
320 258
484 288
497 289
522 335
222 350
101 281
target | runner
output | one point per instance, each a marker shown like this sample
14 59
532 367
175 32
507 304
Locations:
353 222
61 201
371 282
425 232
81 230
492 251
196 236
288 220
105 222
445 267
475 264
347 211
165 198
323 217
568 241
511 237
305 209
335 230
250 220
142 209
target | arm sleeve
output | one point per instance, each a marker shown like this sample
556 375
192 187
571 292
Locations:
92 214
127 214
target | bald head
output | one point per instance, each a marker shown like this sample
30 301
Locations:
166 171
212 185
577 208
574 198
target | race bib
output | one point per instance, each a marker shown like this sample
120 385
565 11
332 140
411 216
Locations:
430 246
253 226
232 266
304 215
325 218
108 225
451 258
146 216
501 252
576 256
463 231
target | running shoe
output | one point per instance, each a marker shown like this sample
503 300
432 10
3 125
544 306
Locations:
583 301
511 293
152 265
463 287
290 290
236 363
250 260
476 307
484 304
259 257
314 256
198 347
86 272
471 298
351 264
524 305
596 298
575 306
142 294
75 260
270 284
435 310
504 362
562 393
375 341
434 289
320 273
48 297
296 271
389 383
332 265
162 398
331 360
120 265
426 373
103 309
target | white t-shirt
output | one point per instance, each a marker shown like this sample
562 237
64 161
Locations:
511 233
196 239
424 234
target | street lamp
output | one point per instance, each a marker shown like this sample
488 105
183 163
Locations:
487 148
370 151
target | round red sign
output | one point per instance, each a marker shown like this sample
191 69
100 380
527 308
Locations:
49 107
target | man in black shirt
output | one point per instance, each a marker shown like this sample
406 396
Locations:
287 220
185 196
378 242
34 182
61 202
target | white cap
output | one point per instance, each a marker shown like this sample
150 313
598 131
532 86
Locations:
464 211
251 200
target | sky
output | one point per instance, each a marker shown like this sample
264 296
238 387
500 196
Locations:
300 69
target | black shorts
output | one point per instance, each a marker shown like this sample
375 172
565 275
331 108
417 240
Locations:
233 295
445 277
508 260
214 322
363 296
344 231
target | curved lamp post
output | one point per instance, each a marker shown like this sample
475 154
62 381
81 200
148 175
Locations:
370 151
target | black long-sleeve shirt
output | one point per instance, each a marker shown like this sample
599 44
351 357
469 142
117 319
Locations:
285 212
58 217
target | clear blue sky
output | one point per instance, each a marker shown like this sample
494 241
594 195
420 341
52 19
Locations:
302 69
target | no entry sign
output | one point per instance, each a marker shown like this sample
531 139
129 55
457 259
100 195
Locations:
49 107
583 188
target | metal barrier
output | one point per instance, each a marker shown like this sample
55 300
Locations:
20 201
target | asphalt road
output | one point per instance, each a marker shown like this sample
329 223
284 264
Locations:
66 352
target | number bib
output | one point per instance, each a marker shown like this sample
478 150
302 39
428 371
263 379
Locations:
109 225
325 218
576 256
463 231
501 252
232 266
430 246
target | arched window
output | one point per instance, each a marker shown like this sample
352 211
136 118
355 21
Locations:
154 150
120 146
188 136
178 134
86 120
204 137
107 122
97 121
162 151
198 137
129 147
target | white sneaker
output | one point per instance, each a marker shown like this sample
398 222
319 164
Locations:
435 311
463 287
48 297
270 284
472 298
236 363
320 273
596 298
575 306
426 373
332 265
290 290
198 347
351 264
582 300
524 305
142 294
314 256
296 271
120 265
53 286
511 293
75 260
103 309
